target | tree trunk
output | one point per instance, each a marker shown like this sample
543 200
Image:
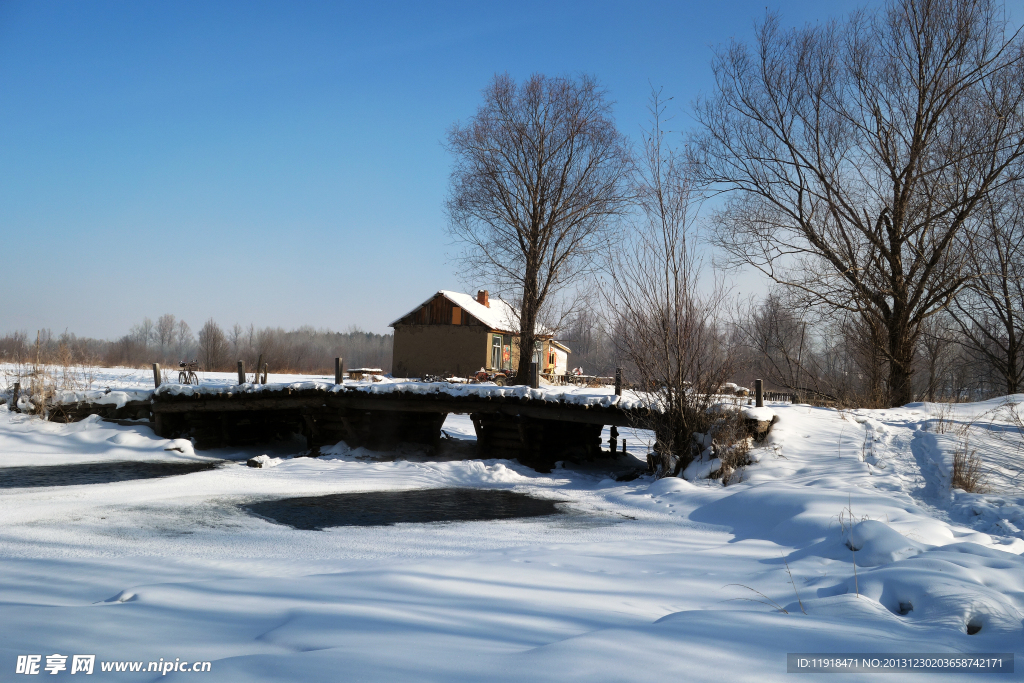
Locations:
527 326
901 358
1012 370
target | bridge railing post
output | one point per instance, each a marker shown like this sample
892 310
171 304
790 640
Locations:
156 375
241 372
759 392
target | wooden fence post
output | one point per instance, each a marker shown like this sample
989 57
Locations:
337 370
265 366
759 392
156 375
256 375
241 372
534 376
618 385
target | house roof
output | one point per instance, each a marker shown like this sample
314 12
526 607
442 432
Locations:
561 346
499 316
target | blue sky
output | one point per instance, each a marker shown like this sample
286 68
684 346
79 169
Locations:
280 162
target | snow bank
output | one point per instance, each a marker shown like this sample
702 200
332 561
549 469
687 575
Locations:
877 543
951 587
107 397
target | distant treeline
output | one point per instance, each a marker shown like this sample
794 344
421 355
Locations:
168 340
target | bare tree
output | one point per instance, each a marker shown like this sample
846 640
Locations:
781 340
143 333
539 175
212 346
990 310
856 155
236 337
667 318
183 339
165 327
938 352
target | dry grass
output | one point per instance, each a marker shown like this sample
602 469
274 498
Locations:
731 444
967 470
943 418
39 381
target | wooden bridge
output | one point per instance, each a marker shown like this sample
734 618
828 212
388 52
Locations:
535 428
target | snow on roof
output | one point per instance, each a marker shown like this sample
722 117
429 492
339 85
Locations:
561 346
499 316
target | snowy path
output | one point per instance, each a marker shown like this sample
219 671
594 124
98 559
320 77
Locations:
632 583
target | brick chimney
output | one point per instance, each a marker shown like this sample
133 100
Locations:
481 298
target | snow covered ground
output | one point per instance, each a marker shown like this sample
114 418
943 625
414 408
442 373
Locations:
638 581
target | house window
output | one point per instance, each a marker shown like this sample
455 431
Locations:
496 351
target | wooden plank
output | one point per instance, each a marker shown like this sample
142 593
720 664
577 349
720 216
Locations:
238 404
431 404
339 402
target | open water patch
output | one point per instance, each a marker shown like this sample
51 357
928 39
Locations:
34 476
384 508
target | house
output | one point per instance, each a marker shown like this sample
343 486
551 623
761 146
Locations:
452 333
558 358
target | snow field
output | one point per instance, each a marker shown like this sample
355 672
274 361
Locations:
636 581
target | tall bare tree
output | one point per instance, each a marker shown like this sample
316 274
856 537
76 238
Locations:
539 176
666 317
856 155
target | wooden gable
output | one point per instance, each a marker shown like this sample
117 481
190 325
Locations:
439 311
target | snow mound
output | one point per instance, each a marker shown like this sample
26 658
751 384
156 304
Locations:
669 485
876 543
701 468
128 439
183 446
474 472
956 586
262 461
762 414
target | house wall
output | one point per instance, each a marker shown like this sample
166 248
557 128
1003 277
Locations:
545 349
506 340
561 360
440 350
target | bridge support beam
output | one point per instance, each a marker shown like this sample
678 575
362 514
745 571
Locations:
535 443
